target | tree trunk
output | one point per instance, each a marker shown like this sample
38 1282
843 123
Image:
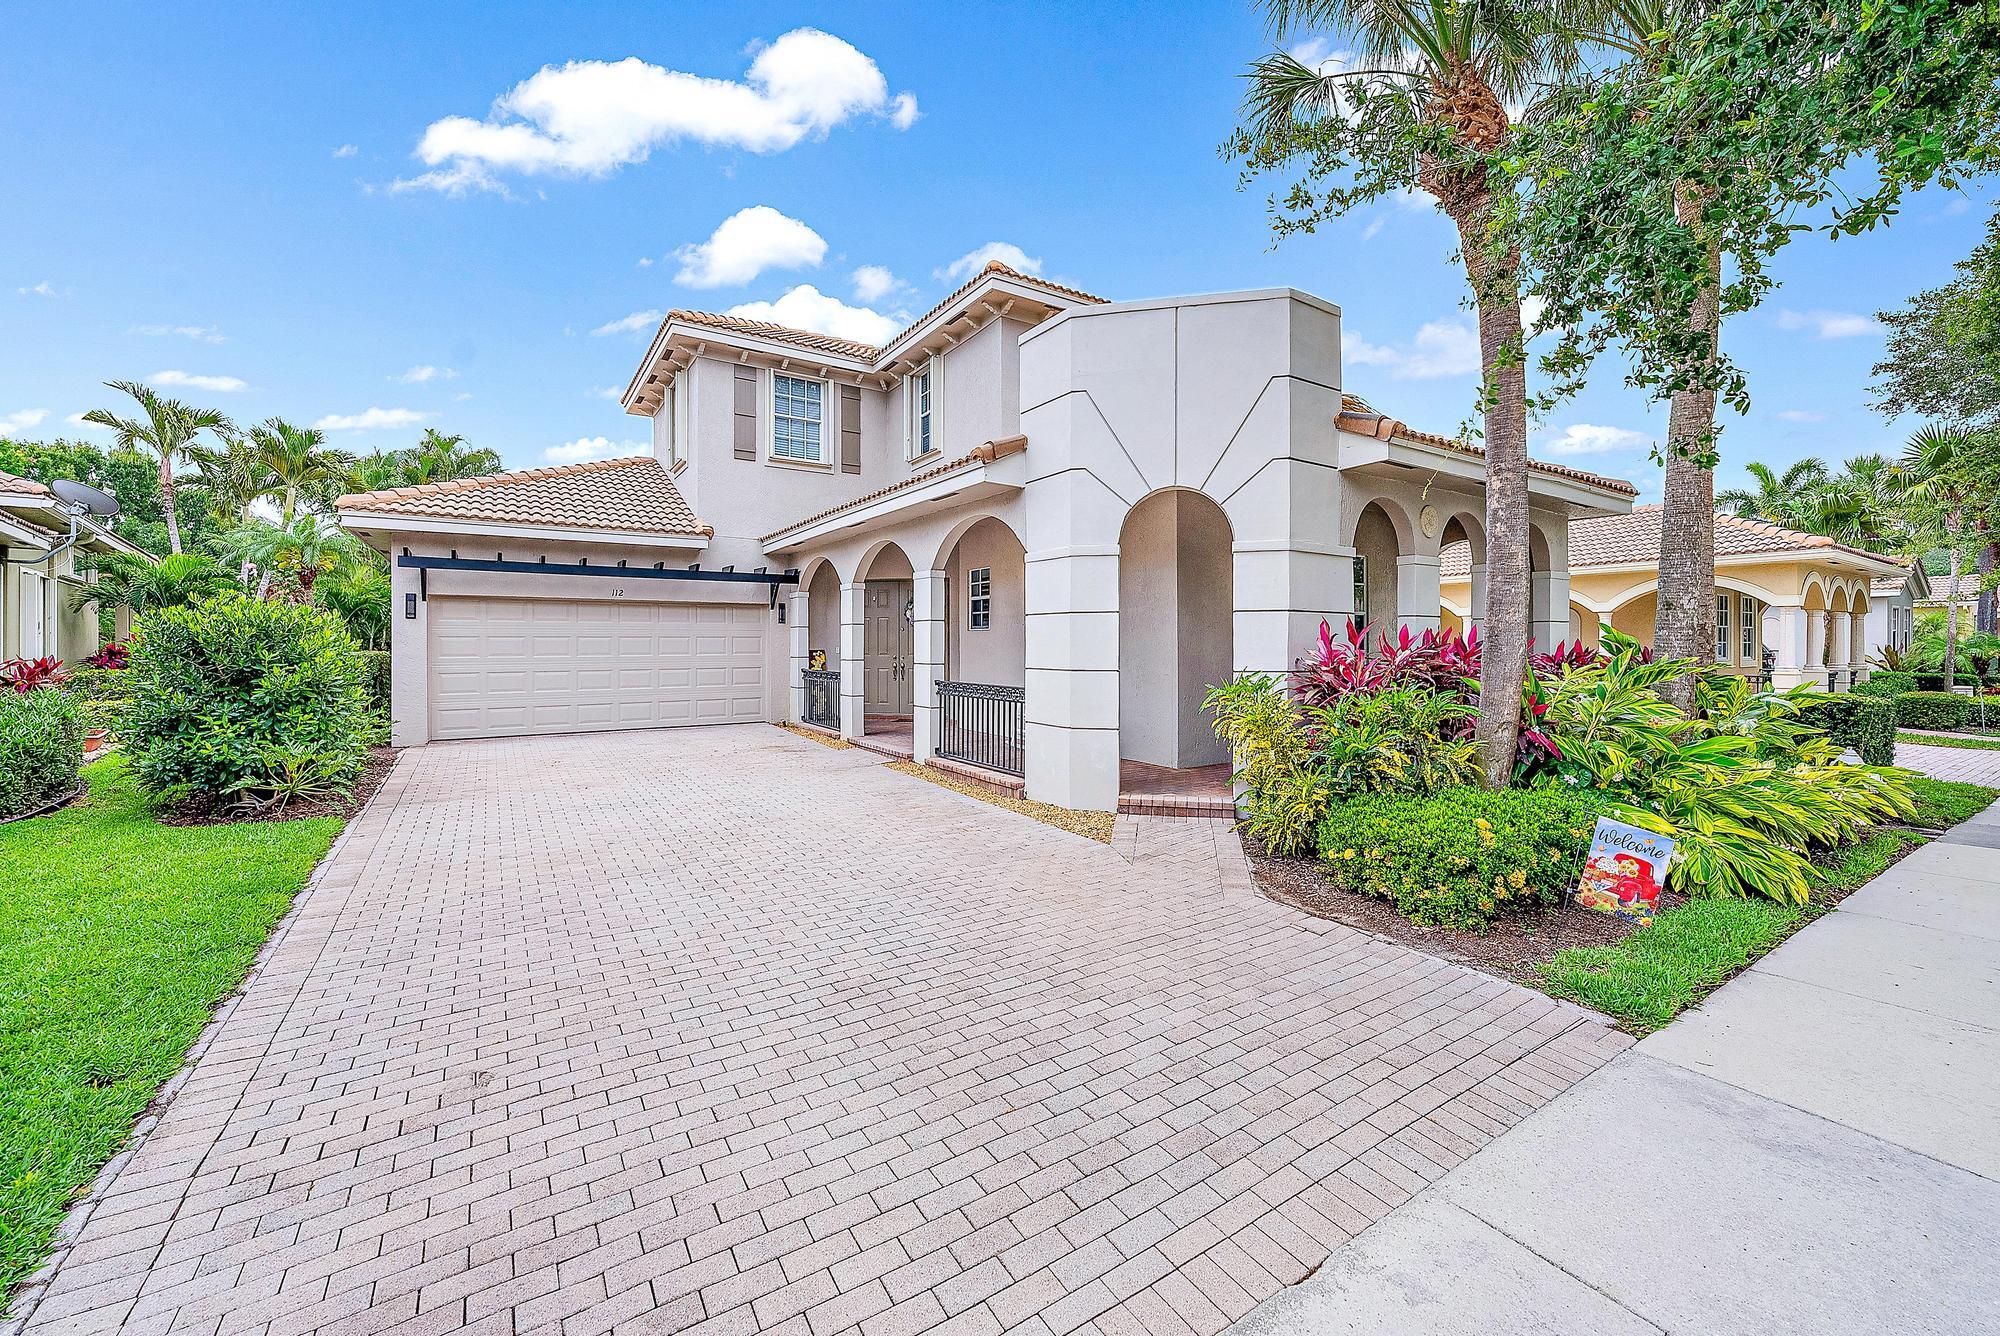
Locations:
1986 617
1684 612
1951 617
167 501
1504 394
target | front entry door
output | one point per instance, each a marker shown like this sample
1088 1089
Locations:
887 648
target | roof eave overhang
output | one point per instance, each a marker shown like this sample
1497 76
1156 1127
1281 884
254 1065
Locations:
52 516
366 522
994 296
679 342
973 483
1787 557
1388 458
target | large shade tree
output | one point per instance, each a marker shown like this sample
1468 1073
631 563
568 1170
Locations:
167 430
1425 106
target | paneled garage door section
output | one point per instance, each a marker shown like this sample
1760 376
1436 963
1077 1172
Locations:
503 666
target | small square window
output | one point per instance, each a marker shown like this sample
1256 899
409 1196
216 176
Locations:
979 598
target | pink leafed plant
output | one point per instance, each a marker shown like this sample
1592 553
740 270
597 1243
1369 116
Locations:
24 675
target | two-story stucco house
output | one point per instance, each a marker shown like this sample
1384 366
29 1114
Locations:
1026 535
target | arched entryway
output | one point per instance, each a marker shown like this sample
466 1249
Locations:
1378 554
819 672
1175 629
884 604
981 695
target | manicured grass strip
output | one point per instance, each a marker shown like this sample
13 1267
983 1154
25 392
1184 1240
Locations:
1661 970
1937 740
1861 863
1942 802
118 936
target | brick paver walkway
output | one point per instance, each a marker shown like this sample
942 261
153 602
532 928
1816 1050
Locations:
1974 765
720 1030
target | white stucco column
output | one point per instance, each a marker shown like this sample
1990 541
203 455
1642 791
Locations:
1815 660
409 660
853 651
1549 599
1837 641
927 650
1072 678
798 628
1789 641
1417 598
1475 606
1857 656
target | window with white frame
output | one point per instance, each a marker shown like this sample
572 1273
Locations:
1722 641
923 412
1748 607
1361 590
798 419
979 598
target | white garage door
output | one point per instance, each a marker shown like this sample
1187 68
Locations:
507 666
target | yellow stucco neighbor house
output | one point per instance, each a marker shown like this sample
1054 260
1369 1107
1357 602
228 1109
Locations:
1795 605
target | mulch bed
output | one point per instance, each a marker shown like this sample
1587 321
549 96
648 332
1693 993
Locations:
373 771
1511 947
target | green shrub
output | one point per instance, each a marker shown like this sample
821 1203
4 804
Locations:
1457 858
1886 682
41 748
229 693
1944 710
375 676
1865 723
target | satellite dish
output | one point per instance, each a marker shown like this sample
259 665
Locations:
84 499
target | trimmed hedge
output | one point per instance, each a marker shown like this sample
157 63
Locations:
1458 857
229 691
375 677
1887 682
1861 721
1943 710
1934 681
41 748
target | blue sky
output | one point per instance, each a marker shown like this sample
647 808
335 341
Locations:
385 217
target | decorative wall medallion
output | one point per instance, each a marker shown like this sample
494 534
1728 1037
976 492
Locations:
1430 521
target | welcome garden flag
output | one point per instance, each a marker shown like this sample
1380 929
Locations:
1624 872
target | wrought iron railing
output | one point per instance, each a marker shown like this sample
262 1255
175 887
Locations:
982 725
822 696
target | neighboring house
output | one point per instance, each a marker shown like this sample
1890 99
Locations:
1026 534
1892 604
39 545
1943 593
1797 601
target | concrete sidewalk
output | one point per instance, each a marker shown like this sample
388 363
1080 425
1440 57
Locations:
1814 1149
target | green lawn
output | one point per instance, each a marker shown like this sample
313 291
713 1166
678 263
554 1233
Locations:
1659 971
117 937
1981 742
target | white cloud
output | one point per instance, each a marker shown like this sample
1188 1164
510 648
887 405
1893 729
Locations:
21 420
213 384
346 151
1588 438
424 374
1006 252
591 117
806 307
43 289
591 447
1800 415
1441 348
373 419
745 244
873 282
628 324
199 333
645 262
461 396
1374 228
1830 324
606 392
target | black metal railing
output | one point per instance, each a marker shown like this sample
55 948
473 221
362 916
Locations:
982 725
822 696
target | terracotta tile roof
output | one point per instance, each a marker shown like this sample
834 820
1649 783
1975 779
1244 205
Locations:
862 352
14 484
1941 589
1634 540
629 495
982 454
1356 416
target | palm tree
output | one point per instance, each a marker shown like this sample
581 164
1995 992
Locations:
231 474
125 581
1443 70
169 430
439 458
376 471
1776 498
1937 475
304 550
299 464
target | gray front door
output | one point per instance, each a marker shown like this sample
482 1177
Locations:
887 644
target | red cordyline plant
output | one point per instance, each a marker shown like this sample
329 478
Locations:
24 675
113 655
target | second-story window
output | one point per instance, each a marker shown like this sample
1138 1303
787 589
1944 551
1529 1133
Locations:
798 419
923 413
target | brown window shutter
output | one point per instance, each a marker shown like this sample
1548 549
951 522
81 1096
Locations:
850 429
746 411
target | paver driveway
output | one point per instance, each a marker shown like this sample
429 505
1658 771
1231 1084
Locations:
722 1030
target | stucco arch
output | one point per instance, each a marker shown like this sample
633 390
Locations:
1815 594
1841 599
1398 518
1176 604
811 571
1465 527
993 650
941 550
883 559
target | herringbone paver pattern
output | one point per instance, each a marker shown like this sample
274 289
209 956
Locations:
715 1030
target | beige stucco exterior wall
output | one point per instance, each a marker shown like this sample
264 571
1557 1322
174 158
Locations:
69 636
994 654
